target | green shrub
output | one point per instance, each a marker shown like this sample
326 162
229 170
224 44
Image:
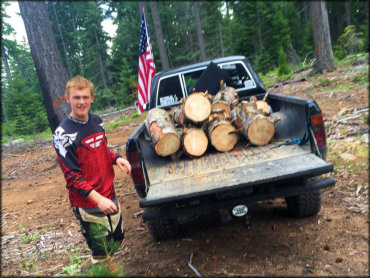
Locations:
339 51
284 68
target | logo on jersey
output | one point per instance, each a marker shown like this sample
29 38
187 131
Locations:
62 140
94 141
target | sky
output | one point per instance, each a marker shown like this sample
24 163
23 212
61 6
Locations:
16 22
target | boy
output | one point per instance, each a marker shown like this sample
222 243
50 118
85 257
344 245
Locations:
86 162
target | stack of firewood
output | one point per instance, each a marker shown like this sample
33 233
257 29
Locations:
202 119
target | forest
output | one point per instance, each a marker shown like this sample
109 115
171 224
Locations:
274 36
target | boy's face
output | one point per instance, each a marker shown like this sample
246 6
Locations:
80 101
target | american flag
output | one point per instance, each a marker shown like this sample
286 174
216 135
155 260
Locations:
146 65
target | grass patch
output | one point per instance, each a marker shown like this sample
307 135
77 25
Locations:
358 166
362 80
341 88
29 139
269 79
125 120
350 59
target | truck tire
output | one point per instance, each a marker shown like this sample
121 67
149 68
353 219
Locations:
162 229
306 204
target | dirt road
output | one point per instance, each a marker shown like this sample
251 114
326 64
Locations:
40 234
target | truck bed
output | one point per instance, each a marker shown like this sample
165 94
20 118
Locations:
243 166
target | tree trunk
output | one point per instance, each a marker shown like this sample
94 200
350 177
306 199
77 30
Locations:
63 42
165 138
6 64
222 134
197 107
321 35
49 69
292 55
347 6
159 35
101 66
79 48
190 35
195 142
199 32
8 77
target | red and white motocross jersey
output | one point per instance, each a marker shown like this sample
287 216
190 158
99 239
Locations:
85 159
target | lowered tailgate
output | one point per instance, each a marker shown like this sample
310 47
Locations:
218 171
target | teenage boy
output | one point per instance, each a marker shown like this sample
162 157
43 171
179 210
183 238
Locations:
86 162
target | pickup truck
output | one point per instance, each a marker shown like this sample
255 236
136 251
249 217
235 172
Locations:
177 188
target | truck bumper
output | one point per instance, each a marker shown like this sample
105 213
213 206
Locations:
260 193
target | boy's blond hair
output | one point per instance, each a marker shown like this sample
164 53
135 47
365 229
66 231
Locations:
80 83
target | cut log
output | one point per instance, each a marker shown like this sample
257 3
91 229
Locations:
258 129
222 134
197 107
263 107
177 115
223 102
252 123
165 138
195 142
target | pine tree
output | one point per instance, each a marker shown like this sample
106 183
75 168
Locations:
284 68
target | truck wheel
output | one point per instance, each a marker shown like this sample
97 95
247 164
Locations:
306 204
162 229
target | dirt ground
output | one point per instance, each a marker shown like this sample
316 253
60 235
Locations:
40 235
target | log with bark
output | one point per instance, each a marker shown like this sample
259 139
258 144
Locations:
162 130
177 114
222 134
194 141
197 107
223 102
252 122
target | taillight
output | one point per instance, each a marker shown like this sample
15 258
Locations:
319 130
137 173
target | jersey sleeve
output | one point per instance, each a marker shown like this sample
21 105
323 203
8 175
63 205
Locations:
114 156
67 158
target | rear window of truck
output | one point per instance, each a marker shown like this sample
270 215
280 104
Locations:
172 88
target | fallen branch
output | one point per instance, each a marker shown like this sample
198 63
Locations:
117 112
344 121
347 123
302 69
360 110
192 267
289 82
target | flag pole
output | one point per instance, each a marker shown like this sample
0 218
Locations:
146 26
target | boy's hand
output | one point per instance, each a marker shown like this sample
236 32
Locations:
106 205
122 164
